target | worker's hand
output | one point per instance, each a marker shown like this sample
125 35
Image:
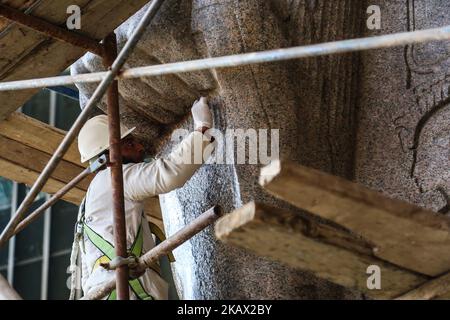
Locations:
201 114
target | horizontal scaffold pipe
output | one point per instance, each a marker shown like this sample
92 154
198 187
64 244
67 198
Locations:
336 47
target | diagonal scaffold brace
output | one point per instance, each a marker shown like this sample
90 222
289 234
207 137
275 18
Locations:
94 167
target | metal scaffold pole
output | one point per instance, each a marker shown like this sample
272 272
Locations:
115 164
321 49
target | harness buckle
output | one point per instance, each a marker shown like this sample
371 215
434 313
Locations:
117 262
79 228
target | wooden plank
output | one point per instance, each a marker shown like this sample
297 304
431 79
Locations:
36 160
38 135
37 56
20 174
401 233
328 252
21 137
436 288
21 41
27 144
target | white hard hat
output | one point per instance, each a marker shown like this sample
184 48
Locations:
93 138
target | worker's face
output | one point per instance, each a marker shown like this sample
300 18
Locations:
132 150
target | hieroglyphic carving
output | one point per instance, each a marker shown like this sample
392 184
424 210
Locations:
428 57
423 130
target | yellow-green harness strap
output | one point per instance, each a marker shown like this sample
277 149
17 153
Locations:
104 246
108 250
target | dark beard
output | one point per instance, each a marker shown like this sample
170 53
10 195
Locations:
128 160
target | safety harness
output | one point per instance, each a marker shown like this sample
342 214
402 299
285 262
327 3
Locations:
108 255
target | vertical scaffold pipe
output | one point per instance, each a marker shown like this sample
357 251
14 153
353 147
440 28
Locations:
115 158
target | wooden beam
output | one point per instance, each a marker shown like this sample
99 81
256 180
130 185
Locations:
401 233
35 160
20 174
6 291
38 135
27 54
26 146
326 251
435 288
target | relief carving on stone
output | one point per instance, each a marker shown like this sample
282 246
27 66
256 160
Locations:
424 129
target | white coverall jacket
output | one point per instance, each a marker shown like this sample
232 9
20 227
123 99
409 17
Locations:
141 181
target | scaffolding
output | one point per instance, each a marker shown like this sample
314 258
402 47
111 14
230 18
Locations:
108 84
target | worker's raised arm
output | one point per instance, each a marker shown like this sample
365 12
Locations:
145 180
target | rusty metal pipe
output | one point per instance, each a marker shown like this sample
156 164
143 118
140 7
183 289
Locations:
81 120
115 158
50 202
168 245
51 30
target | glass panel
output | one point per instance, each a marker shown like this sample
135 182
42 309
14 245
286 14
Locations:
5 193
27 280
58 277
64 216
4 256
29 241
38 106
5 214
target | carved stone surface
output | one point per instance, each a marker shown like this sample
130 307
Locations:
404 135
380 118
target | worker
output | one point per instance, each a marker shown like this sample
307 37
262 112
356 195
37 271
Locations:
141 180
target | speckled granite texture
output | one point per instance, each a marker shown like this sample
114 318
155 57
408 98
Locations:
378 118
404 123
